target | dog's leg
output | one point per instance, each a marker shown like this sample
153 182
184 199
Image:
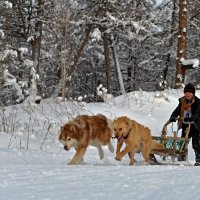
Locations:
131 156
119 146
82 160
100 150
99 147
81 149
146 151
78 156
101 154
127 149
145 156
110 147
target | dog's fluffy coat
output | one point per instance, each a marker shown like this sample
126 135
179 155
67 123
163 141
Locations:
86 130
135 136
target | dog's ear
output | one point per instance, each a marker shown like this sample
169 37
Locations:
61 128
128 121
74 127
115 119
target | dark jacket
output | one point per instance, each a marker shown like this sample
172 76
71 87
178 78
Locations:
195 109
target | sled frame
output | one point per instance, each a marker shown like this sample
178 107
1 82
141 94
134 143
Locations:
174 146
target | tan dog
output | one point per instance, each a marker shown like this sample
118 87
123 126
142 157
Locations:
135 136
83 131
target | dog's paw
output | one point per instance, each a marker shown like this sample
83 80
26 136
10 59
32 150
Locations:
118 158
111 148
101 157
131 163
72 163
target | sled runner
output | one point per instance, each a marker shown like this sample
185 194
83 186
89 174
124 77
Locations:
174 146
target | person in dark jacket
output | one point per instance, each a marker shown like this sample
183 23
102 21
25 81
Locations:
188 111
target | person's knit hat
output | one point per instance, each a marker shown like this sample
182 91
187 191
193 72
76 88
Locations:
189 88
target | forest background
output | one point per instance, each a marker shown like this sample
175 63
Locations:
70 47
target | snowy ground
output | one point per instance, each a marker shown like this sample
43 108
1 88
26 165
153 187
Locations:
33 162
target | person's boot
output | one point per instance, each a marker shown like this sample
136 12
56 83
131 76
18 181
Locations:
197 157
197 164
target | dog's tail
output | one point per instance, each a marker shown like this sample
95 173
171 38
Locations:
155 145
108 120
110 123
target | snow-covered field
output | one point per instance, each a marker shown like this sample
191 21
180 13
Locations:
34 165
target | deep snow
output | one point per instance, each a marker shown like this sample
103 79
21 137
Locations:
33 162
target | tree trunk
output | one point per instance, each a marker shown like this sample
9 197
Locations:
80 50
180 70
1 80
37 39
64 54
107 61
36 45
165 71
120 78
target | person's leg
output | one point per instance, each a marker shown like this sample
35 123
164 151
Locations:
184 126
196 144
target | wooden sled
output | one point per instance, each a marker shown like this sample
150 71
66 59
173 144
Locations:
174 146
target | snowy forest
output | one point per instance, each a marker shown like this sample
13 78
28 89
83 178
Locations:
69 48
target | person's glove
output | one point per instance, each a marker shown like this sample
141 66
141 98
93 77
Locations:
172 119
188 119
